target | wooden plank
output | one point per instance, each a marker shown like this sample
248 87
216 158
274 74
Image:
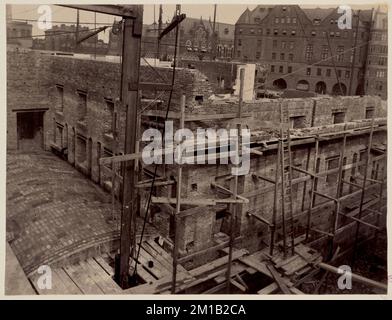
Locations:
58 286
197 202
273 287
144 274
217 263
163 254
159 262
105 282
82 280
294 266
105 265
154 271
71 287
278 279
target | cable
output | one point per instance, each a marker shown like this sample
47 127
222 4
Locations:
156 166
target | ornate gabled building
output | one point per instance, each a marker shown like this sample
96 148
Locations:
196 36
305 49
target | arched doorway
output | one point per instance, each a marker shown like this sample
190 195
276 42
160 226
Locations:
280 84
339 90
321 87
302 85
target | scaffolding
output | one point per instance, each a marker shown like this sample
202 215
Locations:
283 182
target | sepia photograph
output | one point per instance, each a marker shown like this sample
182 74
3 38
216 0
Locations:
183 149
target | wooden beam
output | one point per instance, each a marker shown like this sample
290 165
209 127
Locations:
360 221
215 185
196 202
355 277
132 33
115 10
278 279
325 196
156 184
263 178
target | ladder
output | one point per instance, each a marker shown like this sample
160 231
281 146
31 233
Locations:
286 180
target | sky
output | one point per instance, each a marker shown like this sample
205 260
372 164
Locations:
228 13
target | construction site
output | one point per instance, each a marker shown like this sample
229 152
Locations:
82 200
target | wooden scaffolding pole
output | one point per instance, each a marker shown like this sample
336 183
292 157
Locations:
234 207
369 148
129 95
178 203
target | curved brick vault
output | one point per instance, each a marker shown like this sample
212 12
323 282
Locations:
53 211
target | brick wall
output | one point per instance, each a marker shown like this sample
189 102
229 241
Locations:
81 119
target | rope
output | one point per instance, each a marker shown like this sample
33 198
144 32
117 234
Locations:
156 166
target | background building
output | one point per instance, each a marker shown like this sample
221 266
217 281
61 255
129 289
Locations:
19 33
63 38
197 41
377 59
297 44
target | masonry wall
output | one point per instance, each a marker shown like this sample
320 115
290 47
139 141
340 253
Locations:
82 98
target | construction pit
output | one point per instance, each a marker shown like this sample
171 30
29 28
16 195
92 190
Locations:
313 199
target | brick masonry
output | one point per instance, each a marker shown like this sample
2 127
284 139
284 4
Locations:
81 119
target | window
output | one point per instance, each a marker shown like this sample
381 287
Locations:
308 71
280 69
240 31
276 20
272 68
332 163
309 52
284 32
339 73
239 42
258 54
273 55
319 71
238 54
324 52
347 74
275 32
293 32
288 20
337 34
282 20
291 57
259 43
113 115
369 113
298 122
340 53
294 20
332 34
60 91
282 56
313 33
289 69
291 45
268 31
274 43
283 44
82 105
328 73
338 117
362 157
252 31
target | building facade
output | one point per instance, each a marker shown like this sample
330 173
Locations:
377 59
305 49
63 38
196 41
